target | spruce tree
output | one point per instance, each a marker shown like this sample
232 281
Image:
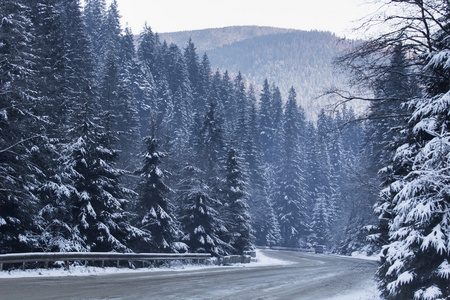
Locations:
17 139
155 212
290 202
264 223
98 200
414 263
266 122
199 217
236 196
322 198
94 15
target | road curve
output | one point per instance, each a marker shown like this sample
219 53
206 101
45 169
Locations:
309 276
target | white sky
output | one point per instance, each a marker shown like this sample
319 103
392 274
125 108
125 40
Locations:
178 15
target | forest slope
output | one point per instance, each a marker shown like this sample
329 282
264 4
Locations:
303 59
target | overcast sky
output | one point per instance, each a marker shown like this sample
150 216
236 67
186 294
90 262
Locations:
178 15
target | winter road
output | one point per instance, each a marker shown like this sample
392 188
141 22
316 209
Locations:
308 276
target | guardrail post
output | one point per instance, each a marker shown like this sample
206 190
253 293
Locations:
46 265
118 263
85 263
23 266
103 264
1 267
67 265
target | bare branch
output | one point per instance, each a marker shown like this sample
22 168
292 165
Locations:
18 143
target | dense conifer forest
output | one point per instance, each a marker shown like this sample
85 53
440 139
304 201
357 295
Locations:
114 143
109 146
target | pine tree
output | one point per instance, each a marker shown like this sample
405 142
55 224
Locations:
17 203
202 226
195 76
290 203
228 100
414 263
156 214
94 15
53 217
98 201
118 102
235 191
111 30
80 76
324 208
264 223
147 49
266 122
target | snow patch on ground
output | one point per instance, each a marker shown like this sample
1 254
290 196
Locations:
263 261
363 255
365 293
260 261
89 271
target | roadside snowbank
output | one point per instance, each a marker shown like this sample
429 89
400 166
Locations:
261 260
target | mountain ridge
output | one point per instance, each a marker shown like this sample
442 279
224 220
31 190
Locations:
204 41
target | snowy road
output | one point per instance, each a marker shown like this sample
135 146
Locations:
308 276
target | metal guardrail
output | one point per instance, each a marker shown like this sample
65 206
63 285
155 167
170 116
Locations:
234 259
95 256
291 249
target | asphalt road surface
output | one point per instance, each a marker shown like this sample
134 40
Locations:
309 276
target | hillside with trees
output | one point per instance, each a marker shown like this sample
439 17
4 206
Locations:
288 58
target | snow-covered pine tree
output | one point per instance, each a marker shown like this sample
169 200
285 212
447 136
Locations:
387 118
94 15
323 205
277 124
53 217
142 83
154 210
240 134
236 196
264 223
290 195
80 76
195 79
99 202
266 122
117 100
205 83
415 262
17 203
200 220
228 100
148 50
414 208
111 31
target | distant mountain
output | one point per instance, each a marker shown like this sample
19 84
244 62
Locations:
209 39
286 57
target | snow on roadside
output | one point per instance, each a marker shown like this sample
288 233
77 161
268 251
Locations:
261 260
364 293
364 255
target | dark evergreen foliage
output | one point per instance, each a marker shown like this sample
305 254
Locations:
235 191
155 212
17 101
291 198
